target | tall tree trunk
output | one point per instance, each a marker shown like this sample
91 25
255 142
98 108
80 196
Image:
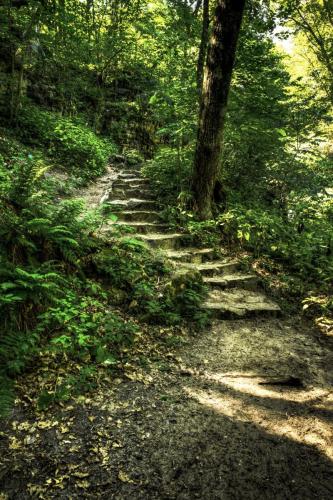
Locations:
203 46
217 79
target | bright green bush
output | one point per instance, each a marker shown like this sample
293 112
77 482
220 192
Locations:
76 147
302 238
43 249
170 174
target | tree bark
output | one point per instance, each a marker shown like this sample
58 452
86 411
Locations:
203 46
197 7
220 61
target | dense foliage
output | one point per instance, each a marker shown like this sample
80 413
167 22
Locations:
82 80
62 281
276 167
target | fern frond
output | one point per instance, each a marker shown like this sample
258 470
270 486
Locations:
7 396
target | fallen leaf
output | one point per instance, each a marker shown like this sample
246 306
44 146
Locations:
63 429
72 466
30 439
35 489
15 444
80 474
45 424
74 448
124 477
83 484
117 445
24 426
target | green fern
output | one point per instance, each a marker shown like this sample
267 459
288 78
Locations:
7 396
13 351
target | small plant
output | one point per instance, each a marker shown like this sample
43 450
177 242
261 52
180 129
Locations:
72 144
170 174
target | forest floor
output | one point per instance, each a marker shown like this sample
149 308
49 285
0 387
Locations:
196 423
242 410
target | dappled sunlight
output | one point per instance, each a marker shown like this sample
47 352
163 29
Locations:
250 383
305 429
166 278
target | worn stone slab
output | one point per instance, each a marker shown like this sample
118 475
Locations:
142 227
129 192
131 203
165 240
132 181
239 303
128 175
135 171
235 280
214 267
191 255
140 215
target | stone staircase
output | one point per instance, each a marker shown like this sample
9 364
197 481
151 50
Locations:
233 294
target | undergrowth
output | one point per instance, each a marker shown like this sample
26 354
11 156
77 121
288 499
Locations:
69 291
288 231
69 142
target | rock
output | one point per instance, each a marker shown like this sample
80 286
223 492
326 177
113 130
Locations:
191 255
240 303
140 215
239 280
116 158
213 267
132 203
165 240
184 278
141 227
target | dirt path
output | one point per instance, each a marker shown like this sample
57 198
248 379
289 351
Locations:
197 424
208 429
243 410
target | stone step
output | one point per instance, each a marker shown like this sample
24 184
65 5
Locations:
191 255
135 171
139 215
165 240
131 182
128 175
235 280
239 303
142 227
214 267
128 186
131 203
128 192
107 180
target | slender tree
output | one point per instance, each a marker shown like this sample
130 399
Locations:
220 61
203 45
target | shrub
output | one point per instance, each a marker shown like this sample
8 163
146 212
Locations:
303 239
170 173
72 144
41 244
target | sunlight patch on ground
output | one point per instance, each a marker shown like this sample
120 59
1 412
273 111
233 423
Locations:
250 383
308 429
